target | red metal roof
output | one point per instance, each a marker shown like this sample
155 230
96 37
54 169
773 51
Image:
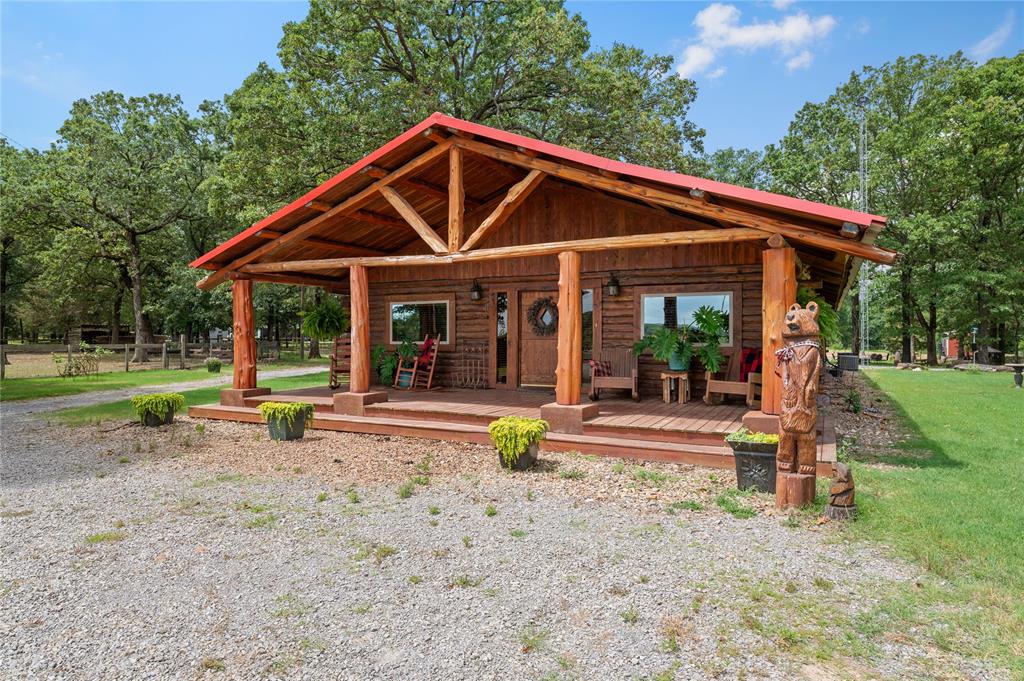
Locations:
687 182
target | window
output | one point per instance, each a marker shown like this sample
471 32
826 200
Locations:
673 310
588 323
501 337
414 320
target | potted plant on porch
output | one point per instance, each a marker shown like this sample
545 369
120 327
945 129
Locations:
674 346
754 456
516 439
157 409
286 420
407 353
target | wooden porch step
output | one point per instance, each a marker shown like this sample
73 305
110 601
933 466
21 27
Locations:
320 404
704 455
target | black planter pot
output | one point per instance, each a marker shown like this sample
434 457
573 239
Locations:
755 465
281 430
154 420
525 460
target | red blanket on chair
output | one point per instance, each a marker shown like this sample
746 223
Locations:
424 356
750 363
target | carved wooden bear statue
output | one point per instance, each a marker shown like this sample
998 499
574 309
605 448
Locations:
799 362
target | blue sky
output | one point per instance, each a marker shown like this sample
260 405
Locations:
755 63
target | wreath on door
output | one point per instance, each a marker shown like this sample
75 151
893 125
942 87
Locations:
543 316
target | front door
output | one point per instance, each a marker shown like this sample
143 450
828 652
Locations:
538 338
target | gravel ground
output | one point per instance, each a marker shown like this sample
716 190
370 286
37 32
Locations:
203 550
101 396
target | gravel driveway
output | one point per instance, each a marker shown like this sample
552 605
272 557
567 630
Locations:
134 554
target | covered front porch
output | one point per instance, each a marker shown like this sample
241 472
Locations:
692 432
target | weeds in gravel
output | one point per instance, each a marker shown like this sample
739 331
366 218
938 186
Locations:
352 495
648 476
423 467
490 511
123 459
533 638
261 521
684 505
667 674
465 581
415 579
618 468
530 496
290 605
322 497
433 510
363 609
566 661
729 502
137 447
630 615
200 428
517 533
420 480
213 664
101 537
822 583
406 489
383 551
282 664
218 479
467 541
572 474
312 644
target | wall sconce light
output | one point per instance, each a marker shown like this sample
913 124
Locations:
477 292
613 286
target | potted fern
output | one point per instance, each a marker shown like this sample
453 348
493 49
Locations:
711 325
407 352
157 409
754 456
286 420
516 439
674 346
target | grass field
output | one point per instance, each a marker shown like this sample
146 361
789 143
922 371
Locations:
12 389
123 410
950 498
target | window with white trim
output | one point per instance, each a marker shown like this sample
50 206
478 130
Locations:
414 320
673 310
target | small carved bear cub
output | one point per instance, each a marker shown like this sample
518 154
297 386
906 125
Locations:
799 362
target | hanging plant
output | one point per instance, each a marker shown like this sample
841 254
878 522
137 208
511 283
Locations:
326 321
828 318
543 316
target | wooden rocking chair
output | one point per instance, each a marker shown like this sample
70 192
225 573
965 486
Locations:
614 368
749 389
421 371
341 360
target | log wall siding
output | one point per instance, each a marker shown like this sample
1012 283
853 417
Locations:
556 212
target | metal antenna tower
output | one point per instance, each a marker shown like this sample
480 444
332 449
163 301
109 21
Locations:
865 274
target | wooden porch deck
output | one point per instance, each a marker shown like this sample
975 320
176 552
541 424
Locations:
651 429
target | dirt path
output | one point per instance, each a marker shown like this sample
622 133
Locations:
101 396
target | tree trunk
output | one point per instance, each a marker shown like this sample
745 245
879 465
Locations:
981 352
3 289
314 344
906 316
931 330
115 316
142 331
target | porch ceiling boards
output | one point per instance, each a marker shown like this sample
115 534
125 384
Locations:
350 215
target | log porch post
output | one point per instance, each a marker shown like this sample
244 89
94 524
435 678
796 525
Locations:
359 376
358 396
243 379
777 294
567 414
244 346
568 374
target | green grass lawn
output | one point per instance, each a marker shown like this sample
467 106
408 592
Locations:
123 409
12 389
952 499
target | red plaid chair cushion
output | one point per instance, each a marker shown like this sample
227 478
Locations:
600 368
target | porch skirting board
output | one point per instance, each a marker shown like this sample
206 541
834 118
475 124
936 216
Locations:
236 397
626 447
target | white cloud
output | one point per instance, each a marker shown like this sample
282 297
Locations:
994 40
48 73
782 4
863 26
719 29
800 61
717 73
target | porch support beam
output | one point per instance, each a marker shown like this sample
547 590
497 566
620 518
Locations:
359 374
354 202
244 345
414 219
778 292
679 201
513 199
568 373
456 200
325 283
696 236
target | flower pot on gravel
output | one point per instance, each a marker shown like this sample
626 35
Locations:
754 457
516 439
157 409
286 420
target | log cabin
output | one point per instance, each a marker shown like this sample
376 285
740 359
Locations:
530 263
